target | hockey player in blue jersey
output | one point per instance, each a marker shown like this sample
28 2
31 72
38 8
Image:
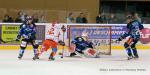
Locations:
28 34
83 46
133 35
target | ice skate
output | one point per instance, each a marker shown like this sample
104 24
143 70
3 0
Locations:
20 56
35 57
51 58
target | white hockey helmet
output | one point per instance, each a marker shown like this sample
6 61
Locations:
84 34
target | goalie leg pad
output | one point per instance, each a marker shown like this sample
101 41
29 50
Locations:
89 52
72 48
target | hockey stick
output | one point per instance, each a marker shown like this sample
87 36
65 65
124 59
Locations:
64 30
2 40
11 41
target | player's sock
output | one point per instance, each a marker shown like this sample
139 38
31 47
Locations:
135 53
35 51
51 57
129 52
130 56
35 54
21 52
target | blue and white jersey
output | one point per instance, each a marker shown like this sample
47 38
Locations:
27 31
134 28
81 44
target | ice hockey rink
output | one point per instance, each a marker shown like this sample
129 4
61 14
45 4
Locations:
115 64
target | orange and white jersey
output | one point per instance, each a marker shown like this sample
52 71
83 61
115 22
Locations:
54 32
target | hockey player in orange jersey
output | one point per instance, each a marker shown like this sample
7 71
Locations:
52 40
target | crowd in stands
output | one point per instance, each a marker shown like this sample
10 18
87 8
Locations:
114 19
81 18
102 18
21 18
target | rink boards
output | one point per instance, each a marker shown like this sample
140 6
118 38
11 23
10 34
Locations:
9 31
29 47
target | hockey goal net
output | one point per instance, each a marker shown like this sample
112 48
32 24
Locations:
100 36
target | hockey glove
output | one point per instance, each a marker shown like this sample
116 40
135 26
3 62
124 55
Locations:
61 43
17 39
25 36
118 40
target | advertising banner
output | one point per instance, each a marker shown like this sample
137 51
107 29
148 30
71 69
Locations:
10 32
40 33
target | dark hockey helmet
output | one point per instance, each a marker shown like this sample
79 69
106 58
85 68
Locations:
129 17
29 20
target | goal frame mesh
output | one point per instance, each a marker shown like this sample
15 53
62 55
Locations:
84 26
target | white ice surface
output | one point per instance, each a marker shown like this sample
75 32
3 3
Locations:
10 65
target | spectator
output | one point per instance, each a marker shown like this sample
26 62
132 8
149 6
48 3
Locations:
136 16
35 18
79 19
7 18
22 15
112 19
70 18
42 19
84 19
18 18
101 18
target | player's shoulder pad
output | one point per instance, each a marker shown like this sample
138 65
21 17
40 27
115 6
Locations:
135 22
23 26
